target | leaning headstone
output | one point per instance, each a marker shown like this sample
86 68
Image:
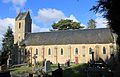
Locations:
47 66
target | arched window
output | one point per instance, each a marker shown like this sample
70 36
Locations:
90 50
49 51
76 51
36 51
61 51
104 50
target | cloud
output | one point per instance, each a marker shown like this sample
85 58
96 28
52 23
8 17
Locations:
50 15
85 26
36 28
4 23
72 17
17 5
100 21
16 2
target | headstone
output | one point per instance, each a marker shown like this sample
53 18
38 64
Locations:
47 66
92 57
8 61
43 64
0 68
68 63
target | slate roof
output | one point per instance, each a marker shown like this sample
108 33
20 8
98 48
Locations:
84 36
21 16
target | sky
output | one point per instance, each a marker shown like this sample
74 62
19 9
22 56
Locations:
46 12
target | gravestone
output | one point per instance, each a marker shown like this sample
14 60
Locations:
0 68
47 66
8 61
92 57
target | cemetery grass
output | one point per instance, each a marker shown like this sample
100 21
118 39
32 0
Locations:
21 70
75 71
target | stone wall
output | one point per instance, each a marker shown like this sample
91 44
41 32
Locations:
69 52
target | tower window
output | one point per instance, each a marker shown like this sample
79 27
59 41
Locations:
19 25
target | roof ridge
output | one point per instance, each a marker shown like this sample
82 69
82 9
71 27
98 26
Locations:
68 30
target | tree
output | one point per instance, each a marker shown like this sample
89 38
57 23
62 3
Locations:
7 43
111 11
66 24
91 24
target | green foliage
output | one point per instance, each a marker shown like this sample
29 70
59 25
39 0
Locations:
66 25
39 64
111 11
30 64
91 24
8 42
75 71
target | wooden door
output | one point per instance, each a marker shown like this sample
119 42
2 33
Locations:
76 60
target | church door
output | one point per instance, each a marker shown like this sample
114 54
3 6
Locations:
76 60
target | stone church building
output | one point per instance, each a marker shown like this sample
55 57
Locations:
60 46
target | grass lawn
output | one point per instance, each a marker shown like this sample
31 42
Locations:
75 71
20 70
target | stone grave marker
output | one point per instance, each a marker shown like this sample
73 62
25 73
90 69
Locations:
47 66
0 68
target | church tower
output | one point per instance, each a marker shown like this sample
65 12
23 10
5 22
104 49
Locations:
23 23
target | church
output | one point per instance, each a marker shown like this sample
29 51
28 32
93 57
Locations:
63 45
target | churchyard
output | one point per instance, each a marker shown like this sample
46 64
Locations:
73 71
47 69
